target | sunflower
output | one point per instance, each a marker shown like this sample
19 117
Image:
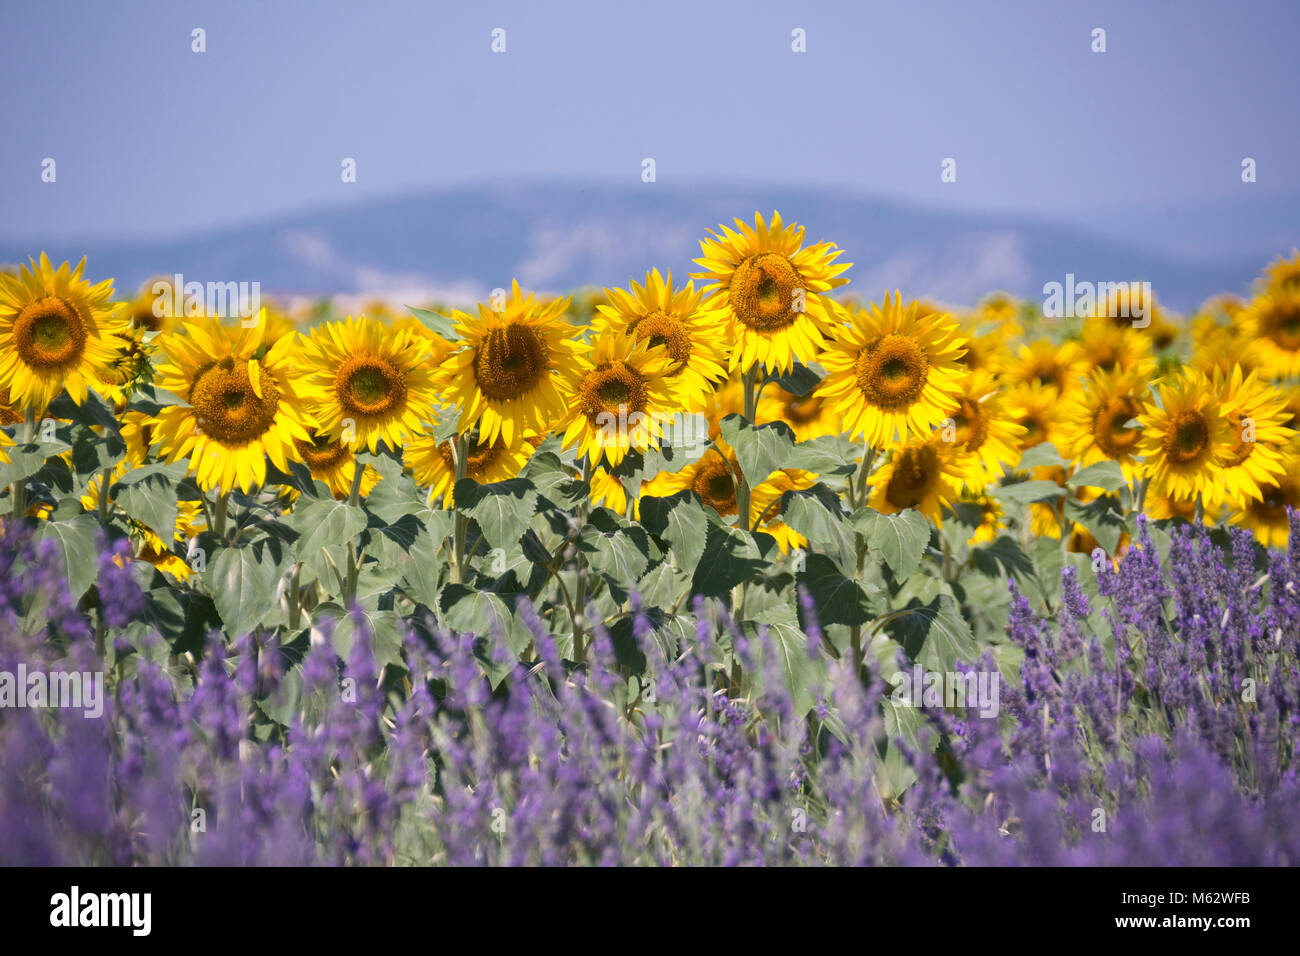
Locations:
1159 507
982 427
1186 440
926 475
712 478
432 463
1045 362
694 340
770 290
150 310
810 415
1036 408
56 331
1257 415
1096 419
607 491
1110 347
1003 310
366 384
1267 515
1271 323
1283 274
333 462
130 366
1082 541
240 410
986 351
622 399
1129 302
512 369
151 548
892 370
991 522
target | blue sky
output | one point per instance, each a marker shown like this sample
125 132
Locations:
152 139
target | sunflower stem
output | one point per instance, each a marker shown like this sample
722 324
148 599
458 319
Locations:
19 492
354 568
460 522
579 605
1200 509
223 504
104 507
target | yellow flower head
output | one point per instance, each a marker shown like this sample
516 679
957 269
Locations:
693 338
432 463
1266 514
621 399
893 371
1257 417
1271 324
770 289
1186 438
239 410
56 331
926 475
367 384
982 426
1096 419
512 369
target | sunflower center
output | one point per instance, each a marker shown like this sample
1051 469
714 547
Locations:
480 457
891 371
1188 438
49 334
801 411
226 407
1284 326
763 292
509 362
368 385
1110 427
972 425
612 388
660 328
1034 426
914 475
321 454
714 485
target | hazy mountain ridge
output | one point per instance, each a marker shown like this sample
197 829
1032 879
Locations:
459 243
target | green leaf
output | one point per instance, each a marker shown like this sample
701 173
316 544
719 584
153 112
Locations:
555 486
838 599
93 412
383 627
1106 475
26 460
1040 456
439 324
663 586
1025 492
900 538
681 521
1102 517
148 495
800 380
470 611
824 455
77 541
934 634
615 549
325 523
789 643
243 584
730 556
502 508
760 449
816 514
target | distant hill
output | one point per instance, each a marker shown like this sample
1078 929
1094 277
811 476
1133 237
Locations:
459 243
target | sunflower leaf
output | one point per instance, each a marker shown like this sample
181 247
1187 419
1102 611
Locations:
77 541
799 381
439 324
730 556
1106 475
900 538
148 495
838 599
816 514
679 520
1025 492
325 523
501 508
760 449
1044 455
242 582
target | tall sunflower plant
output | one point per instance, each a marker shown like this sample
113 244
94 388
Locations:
754 444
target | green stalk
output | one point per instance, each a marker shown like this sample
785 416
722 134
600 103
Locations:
104 507
459 522
354 568
858 493
579 605
223 504
19 491
1200 509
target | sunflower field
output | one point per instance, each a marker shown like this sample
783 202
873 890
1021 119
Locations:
755 484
